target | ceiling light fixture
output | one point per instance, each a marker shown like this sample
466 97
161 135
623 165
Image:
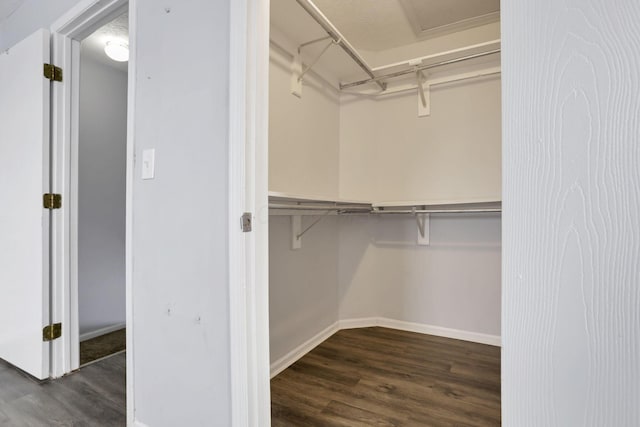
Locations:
117 50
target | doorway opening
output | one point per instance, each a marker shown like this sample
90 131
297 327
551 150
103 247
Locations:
384 224
100 176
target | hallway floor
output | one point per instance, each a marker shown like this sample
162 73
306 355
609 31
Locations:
94 396
102 346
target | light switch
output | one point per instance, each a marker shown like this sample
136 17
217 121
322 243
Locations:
148 163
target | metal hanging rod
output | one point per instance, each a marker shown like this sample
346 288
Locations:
319 207
333 32
416 69
368 210
423 211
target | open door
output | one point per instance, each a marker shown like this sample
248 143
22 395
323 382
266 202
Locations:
24 222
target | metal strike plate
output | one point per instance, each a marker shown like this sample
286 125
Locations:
246 222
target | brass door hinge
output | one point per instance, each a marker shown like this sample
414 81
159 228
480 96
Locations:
51 332
52 72
52 201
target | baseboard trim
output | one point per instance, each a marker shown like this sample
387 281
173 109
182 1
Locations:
440 331
421 328
290 358
138 424
102 331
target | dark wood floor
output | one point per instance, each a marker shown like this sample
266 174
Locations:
386 377
93 396
103 346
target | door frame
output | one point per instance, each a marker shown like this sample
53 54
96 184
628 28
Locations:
248 192
66 33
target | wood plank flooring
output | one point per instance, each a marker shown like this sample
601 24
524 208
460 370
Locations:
102 346
386 377
93 396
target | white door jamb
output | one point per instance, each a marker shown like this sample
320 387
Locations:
67 32
248 175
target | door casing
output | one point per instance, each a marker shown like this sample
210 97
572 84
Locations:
67 33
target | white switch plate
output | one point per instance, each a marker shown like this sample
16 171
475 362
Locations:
148 163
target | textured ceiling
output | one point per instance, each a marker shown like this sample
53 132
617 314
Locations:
93 46
7 7
377 25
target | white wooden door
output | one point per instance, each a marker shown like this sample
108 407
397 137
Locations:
24 223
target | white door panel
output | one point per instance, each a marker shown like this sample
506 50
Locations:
24 223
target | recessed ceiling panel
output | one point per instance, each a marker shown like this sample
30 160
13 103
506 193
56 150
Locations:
429 16
376 25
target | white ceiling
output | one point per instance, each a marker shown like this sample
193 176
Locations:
7 7
376 25
93 46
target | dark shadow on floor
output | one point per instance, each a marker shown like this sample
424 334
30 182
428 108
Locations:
102 346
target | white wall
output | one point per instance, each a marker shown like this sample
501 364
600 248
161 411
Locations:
303 132
361 267
180 295
101 195
571 341
303 283
452 283
180 220
388 153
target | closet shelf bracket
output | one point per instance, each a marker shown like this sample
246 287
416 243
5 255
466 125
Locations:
310 66
424 95
296 67
296 229
423 222
333 32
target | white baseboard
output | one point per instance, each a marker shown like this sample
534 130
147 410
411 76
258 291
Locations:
290 358
138 424
421 328
440 331
368 322
102 331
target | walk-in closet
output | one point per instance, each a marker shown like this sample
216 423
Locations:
385 210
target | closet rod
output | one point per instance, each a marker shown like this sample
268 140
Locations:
319 207
333 32
423 211
419 68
